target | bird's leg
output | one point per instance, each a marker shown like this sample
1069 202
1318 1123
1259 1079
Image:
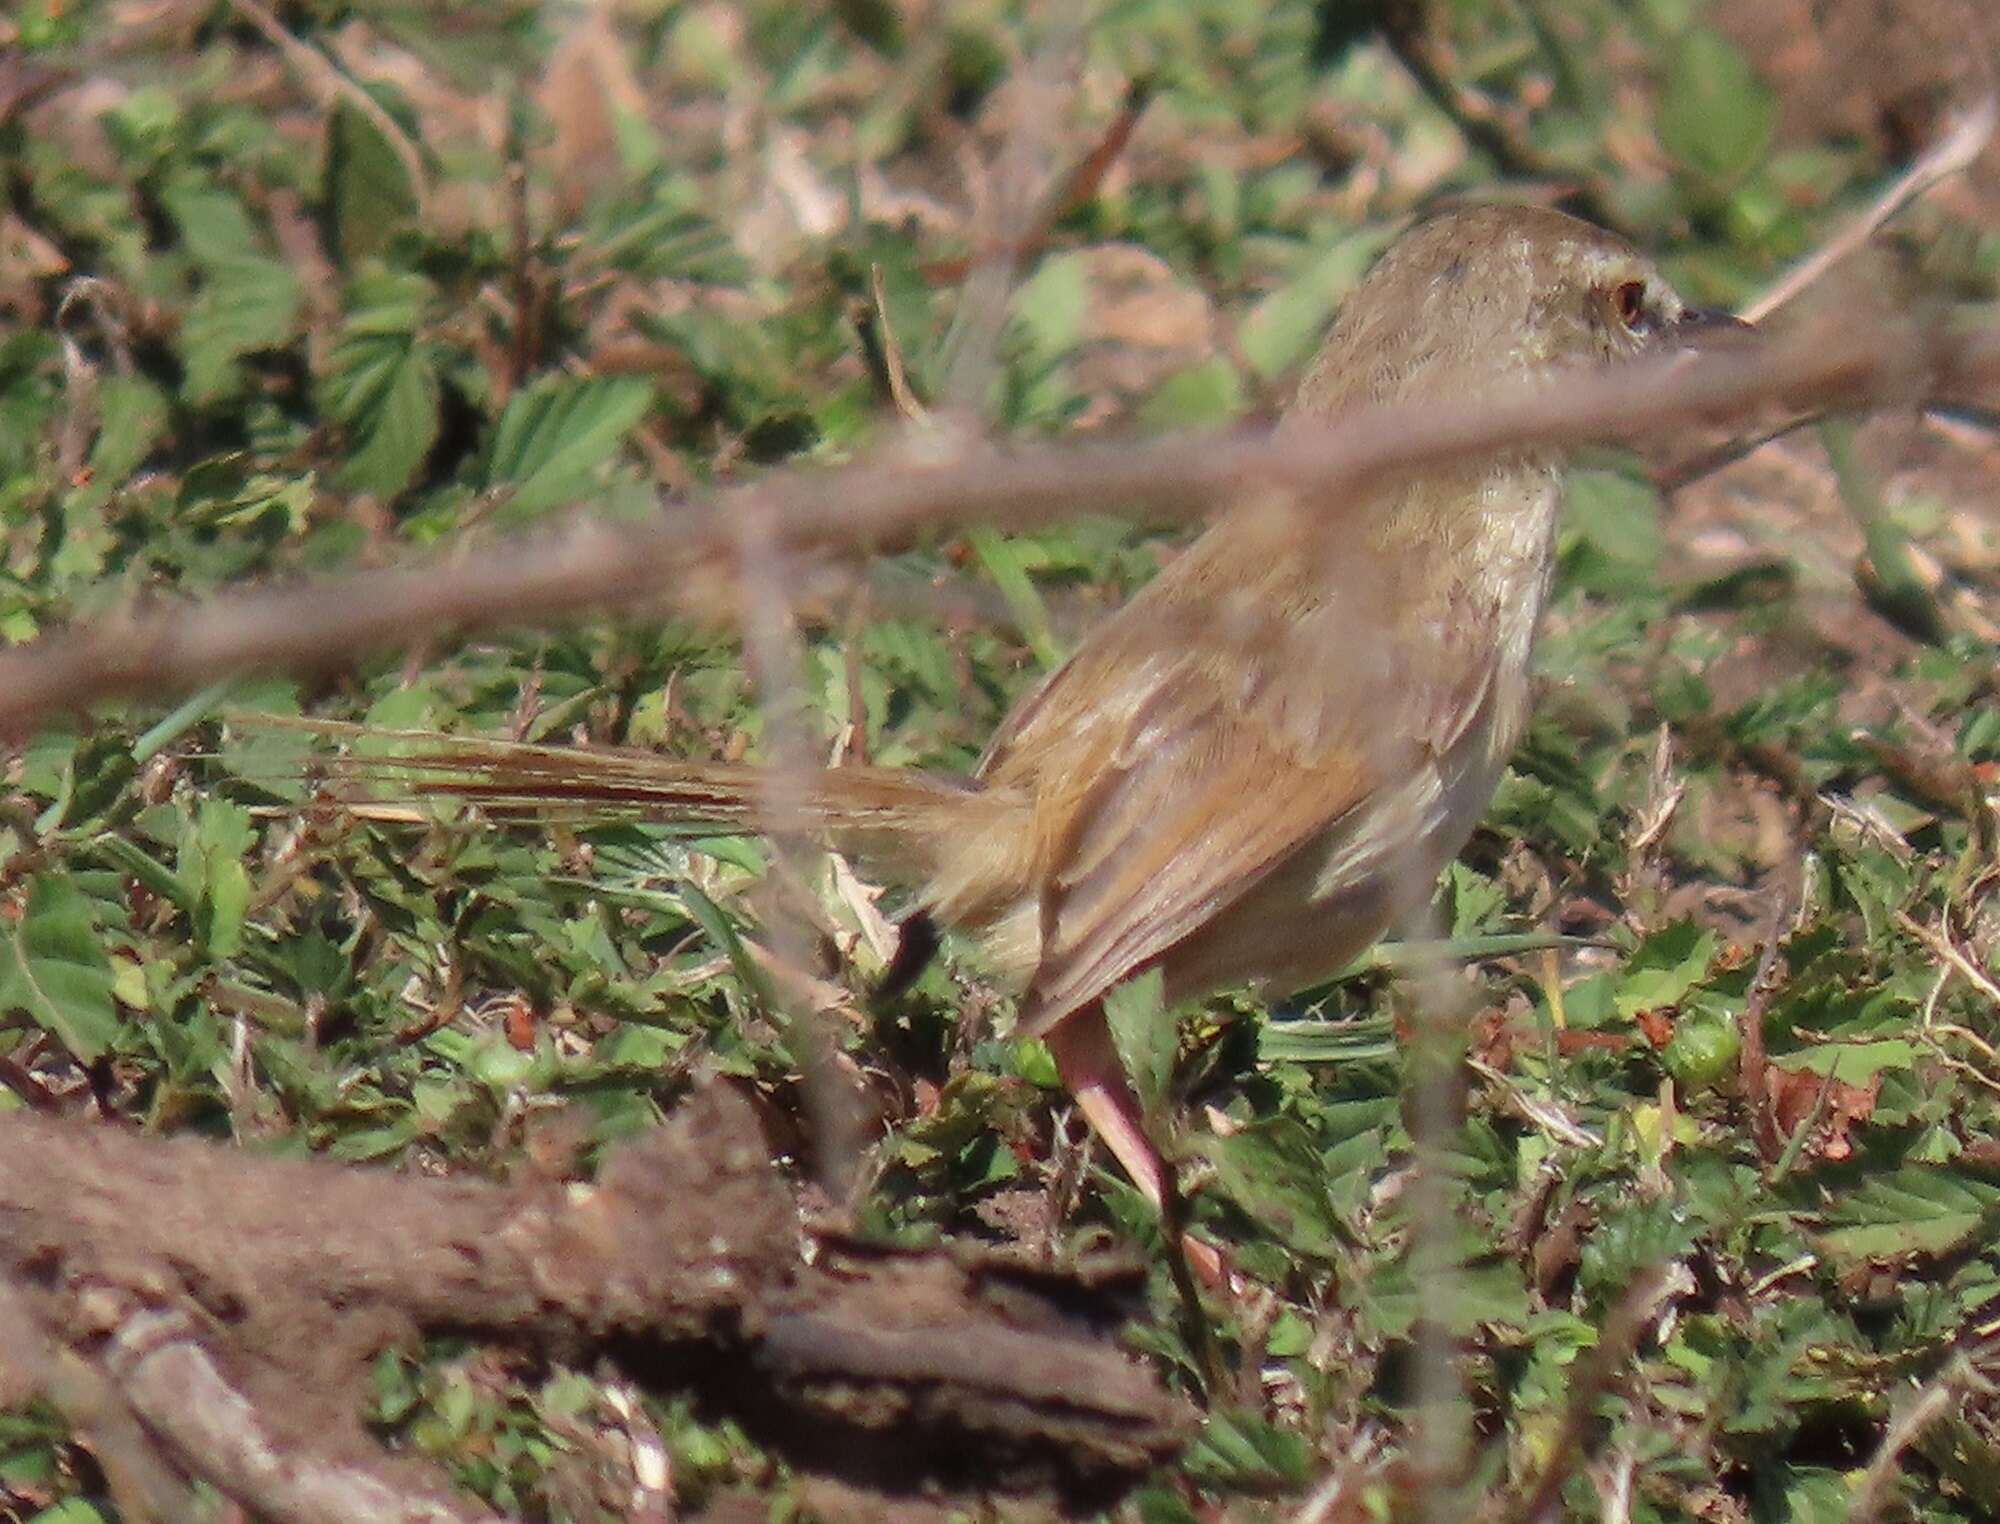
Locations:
1087 1063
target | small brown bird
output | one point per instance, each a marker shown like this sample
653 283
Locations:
1249 771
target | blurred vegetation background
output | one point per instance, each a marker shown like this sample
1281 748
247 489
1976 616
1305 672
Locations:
298 287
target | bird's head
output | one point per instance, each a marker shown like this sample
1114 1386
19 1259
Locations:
1486 295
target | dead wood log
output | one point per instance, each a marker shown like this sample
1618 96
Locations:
205 1312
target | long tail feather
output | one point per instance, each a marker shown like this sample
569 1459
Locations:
892 816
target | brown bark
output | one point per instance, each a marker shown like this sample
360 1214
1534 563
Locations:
204 1312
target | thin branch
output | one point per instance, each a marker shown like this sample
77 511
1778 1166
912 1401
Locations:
1617 1341
1679 475
687 558
1942 946
1931 1404
1066 194
1961 144
179 1391
834 1105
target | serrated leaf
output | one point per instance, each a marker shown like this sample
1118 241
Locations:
1461 1298
555 433
1910 1212
250 303
53 970
131 417
662 241
248 300
381 384
1242 1451
1273 1172
1667 965
1142 1030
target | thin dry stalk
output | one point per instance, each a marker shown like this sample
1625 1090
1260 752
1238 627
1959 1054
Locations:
1617 1341
1962 142
1931 1403
1441 1440
772 653
687 558
1955 957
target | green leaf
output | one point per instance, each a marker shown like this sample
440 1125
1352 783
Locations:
248 300
69 1511
656 237
1327 1042
1814 1495
53 969
554 434
1890 578
1913 1211
706 914
1852 1063
1667 965
381 384
1639 1236
1476 900
369 195
1967 1457
1273 1172
1466 1291
213 225
1004 563
1143 1032
1614 525
1241 1451
1284 328
250 303
1715 115
1162 1505
213 851
1206 395
131 418
1051 306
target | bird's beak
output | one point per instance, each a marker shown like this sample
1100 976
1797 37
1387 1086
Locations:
1707 330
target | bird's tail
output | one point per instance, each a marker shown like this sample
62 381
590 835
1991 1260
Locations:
900 821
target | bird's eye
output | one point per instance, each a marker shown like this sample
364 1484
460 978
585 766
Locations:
1629 302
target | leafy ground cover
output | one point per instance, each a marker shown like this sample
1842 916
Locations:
334 285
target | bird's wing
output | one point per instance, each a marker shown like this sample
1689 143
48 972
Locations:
1178 766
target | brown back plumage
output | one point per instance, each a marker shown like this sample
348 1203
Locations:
1239 773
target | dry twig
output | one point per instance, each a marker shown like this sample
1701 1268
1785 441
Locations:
687 557
1955 150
